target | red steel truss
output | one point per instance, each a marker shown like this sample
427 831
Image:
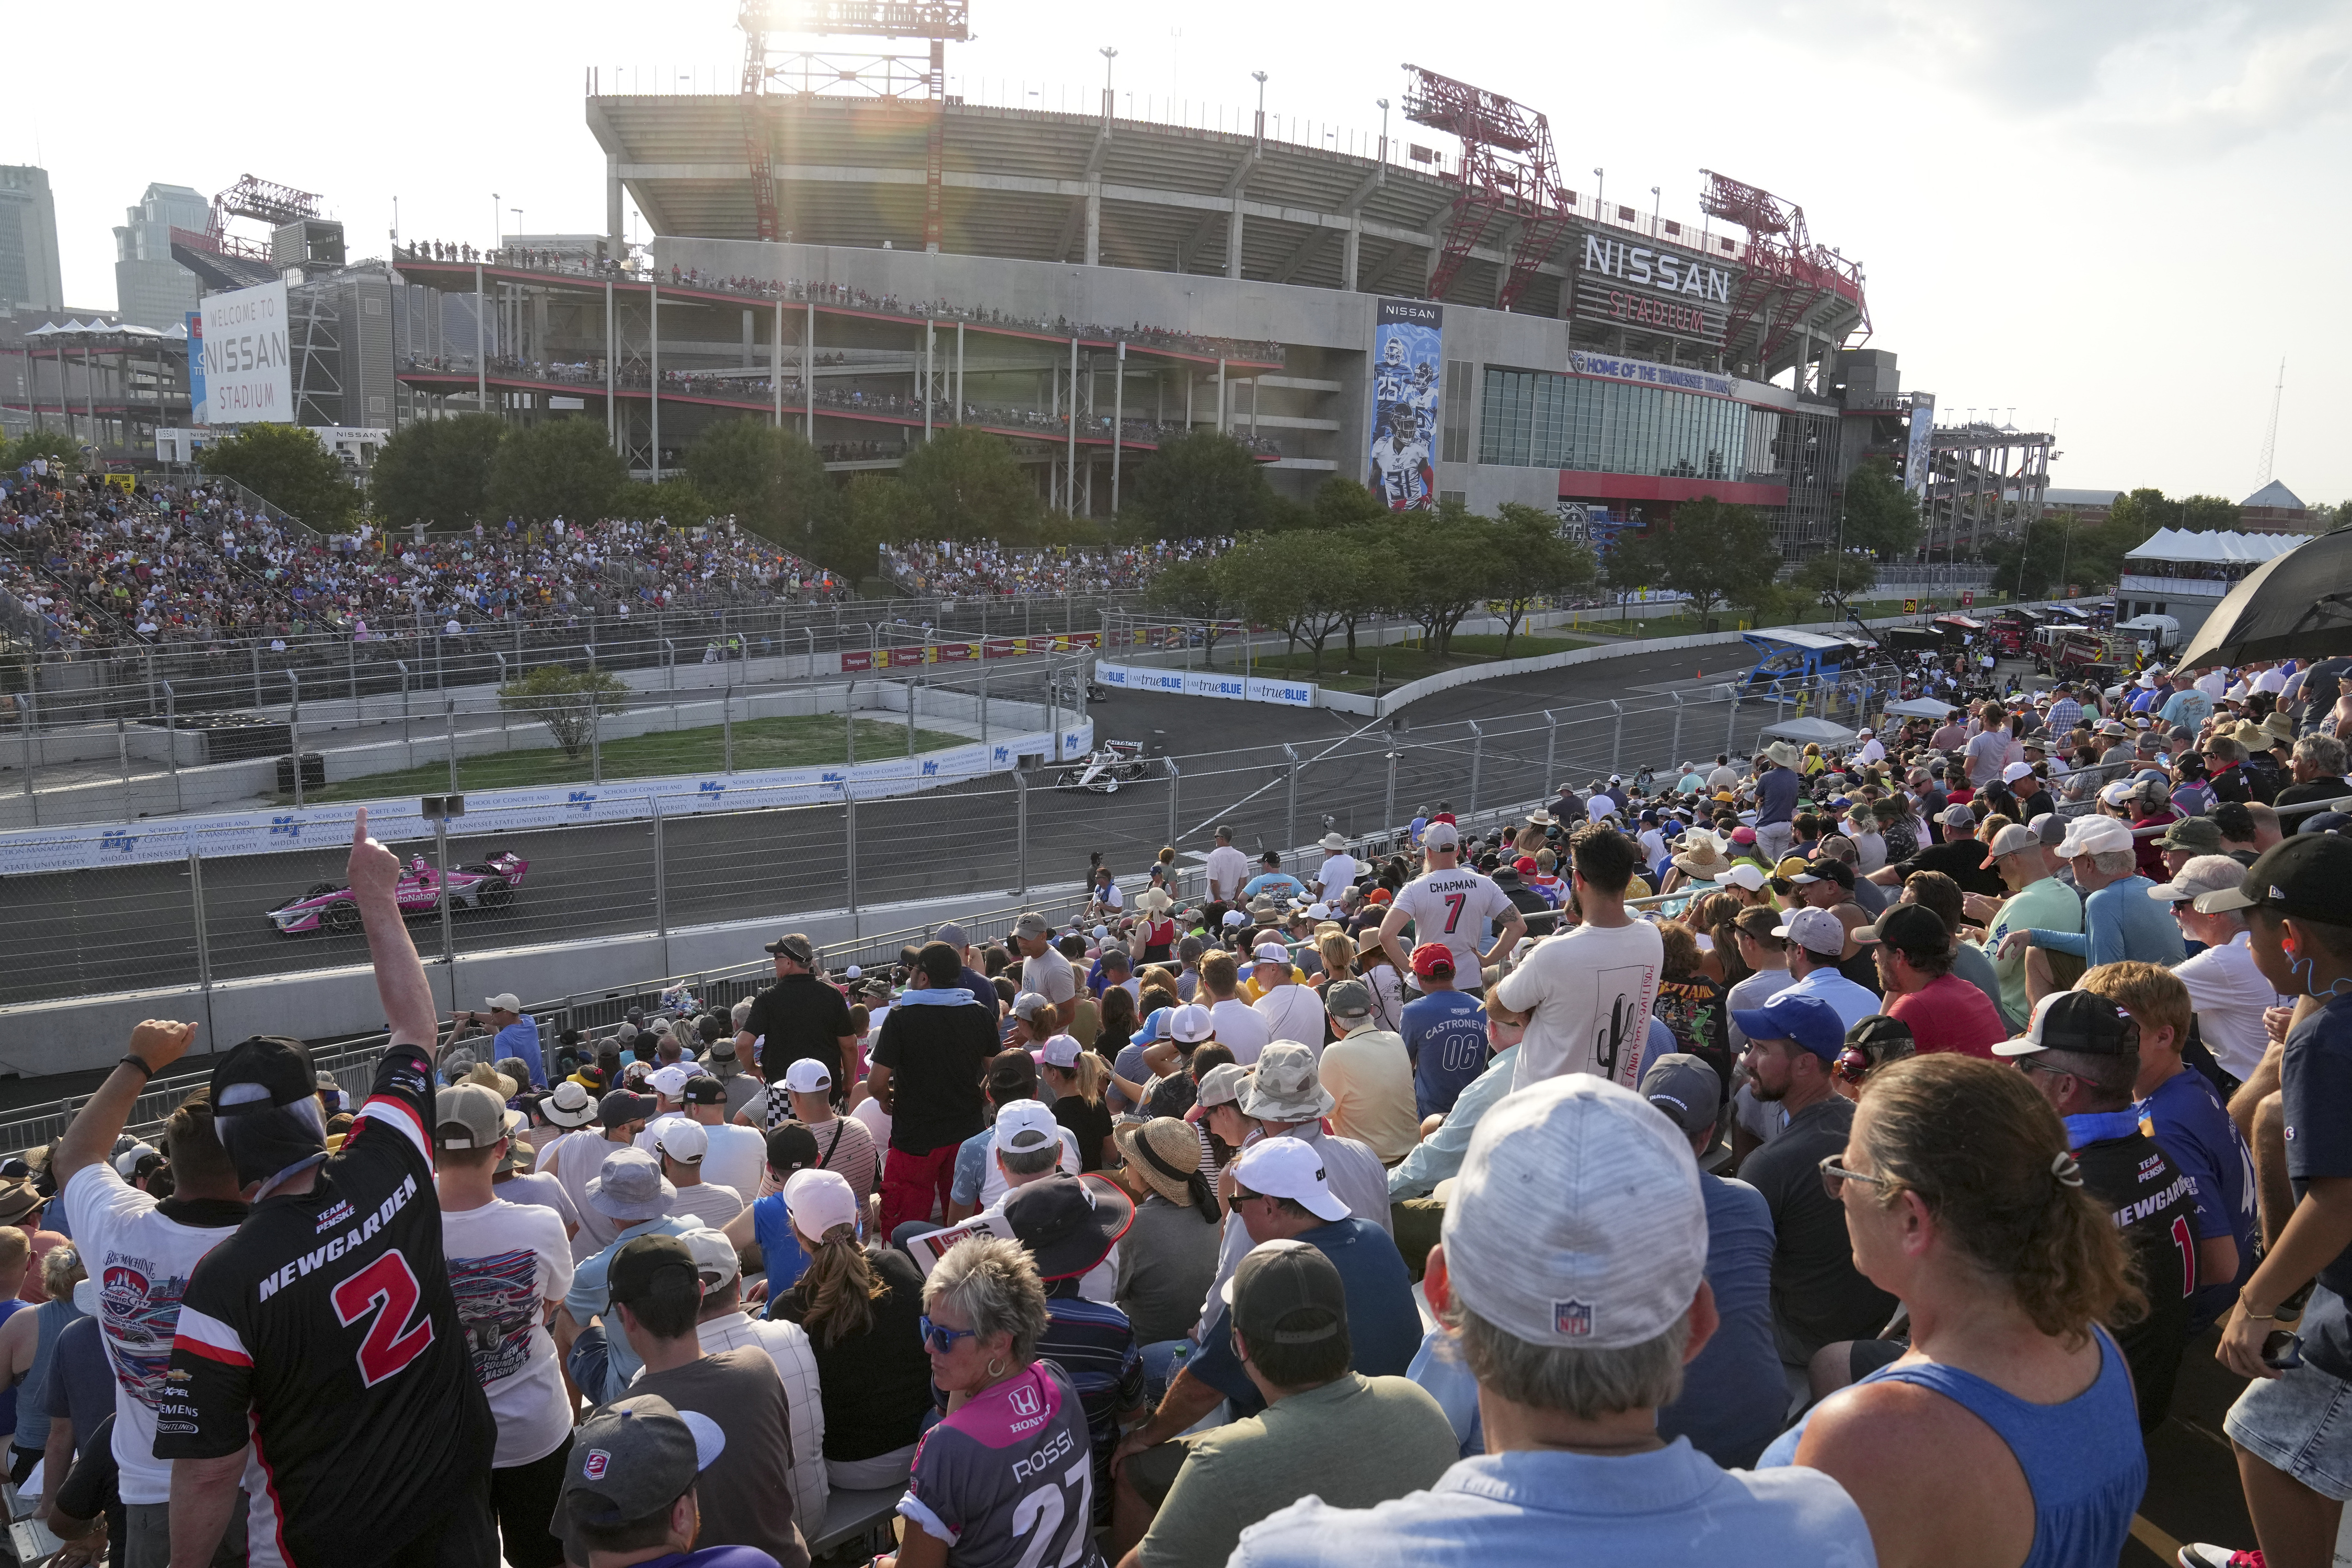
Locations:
1508 171
1786 274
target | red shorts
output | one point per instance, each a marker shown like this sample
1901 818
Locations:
912 1184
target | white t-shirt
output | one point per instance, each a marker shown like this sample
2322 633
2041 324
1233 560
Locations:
738 1157
877 1121
1293 1012
507 1261
2229 994
1453 906
1339 871
141 1261
706 1201
1590 991
540 1188
1049 974
1229 868
1241 1027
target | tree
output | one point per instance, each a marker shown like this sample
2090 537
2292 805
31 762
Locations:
1832 580
436 471
566 701
1193 591
286 466
2201 514
61 449
1341 503
674 501
1715 552
770 480
1542 565
1203 485
967 486
1300 580
2054 546
561 468
1877 513
1449 563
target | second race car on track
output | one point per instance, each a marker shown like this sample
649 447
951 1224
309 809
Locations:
475 885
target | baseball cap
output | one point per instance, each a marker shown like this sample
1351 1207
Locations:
262 1070
1032 925
630 1187
1191 1024
621 1106
2308 876
1234 918
1808 1020
714 1258
2079 1021
469 1116
1286 1282
808 1076
682 1140
794 946
1068 1224
703 1089
954 935
2198 834
1577 1218
1820 870
2015 839
1348 999
126 1164
1061 1051
1440 836
1525 866
669 1082
2014 771
1285 1087
1960 816
641 1262
1023 1126
2204 874
1031 1005
1746 874
1270 953
1685 1088
817 1201
634 1457
1222 1085
791 1147
504 1002
2094 835
1815 931
1432 958
1908 928
1288 1168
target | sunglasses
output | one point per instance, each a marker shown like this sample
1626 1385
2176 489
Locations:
941 1338
1834 1177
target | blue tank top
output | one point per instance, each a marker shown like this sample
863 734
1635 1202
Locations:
2084 1462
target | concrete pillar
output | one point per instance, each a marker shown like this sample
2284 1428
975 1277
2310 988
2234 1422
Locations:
614 239
1351 249
1234 239
1093 222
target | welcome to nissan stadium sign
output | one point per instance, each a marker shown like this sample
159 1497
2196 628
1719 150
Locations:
249 374
1653 288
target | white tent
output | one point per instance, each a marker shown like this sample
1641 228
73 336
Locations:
2212 547
1810 731
1920 707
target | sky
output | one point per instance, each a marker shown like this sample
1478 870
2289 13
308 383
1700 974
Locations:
2115 218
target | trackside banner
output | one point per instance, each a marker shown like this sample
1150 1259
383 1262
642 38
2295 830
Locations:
215 836
1233 686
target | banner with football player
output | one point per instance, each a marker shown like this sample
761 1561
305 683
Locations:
1407 362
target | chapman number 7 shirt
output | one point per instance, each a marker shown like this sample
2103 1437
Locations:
325 1334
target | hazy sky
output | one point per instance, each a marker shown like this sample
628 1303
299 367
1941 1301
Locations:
2118 216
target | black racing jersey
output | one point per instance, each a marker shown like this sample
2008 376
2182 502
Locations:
2155 1207
324 1333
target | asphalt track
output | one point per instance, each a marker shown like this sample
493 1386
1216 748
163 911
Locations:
89 932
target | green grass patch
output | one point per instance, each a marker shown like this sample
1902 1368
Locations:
799 742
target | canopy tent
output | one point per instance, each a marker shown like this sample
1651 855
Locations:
1810 731
1920 707
2213 547
2149 623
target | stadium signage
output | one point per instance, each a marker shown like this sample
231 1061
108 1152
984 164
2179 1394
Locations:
1609 367
247 375
1653 288
1659 269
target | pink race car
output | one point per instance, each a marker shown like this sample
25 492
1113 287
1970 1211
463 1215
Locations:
475 884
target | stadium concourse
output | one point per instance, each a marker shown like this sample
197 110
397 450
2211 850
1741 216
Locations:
1932 1074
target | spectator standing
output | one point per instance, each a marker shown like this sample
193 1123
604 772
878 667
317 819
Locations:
1228 868
1776 801
1369 1075
1338 872
1589 992
799 1016
1237 1026
1945 1013
1444 1033
1818 1295
510 1266
378 1438
1043 970
515 1034
721 1325
1452 904
1575 1185
926 1072
1964 1202
1291 1011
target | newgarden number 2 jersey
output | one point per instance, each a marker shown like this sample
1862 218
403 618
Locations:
324 1333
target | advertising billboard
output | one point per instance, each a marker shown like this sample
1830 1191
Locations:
195 347
1408 363
1922 430
249 374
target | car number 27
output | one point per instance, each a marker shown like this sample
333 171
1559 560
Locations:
388 1289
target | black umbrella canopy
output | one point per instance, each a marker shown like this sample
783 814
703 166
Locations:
2298 606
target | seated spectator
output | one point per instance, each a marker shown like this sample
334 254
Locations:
1369 1076
1070 1224
1327 1431
722 1325
1076 1079
630 1492
1169 1257
1577 1181
2226 989
1914 949
2119 921
981 1174
1814 938
1285 1097
681 1143
1934 891
630 1193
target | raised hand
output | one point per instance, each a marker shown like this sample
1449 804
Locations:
159 1042
374 870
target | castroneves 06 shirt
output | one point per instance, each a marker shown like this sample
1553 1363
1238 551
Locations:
325 1334
1008 1479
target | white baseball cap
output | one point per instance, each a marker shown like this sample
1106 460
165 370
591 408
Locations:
808 1076
1271 952
1290 1168
2014 771
2094 835
669 1082
1440 836
1577 1218
816 1201
1023 1126
714 1255
1745 875
504 1002
1235 918
1191 1024
1061 1051
1815 931
2200 876
682 1139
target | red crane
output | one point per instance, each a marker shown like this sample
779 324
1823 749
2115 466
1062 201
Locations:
1508 171
1786 274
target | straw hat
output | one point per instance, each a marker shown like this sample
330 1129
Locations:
1705 860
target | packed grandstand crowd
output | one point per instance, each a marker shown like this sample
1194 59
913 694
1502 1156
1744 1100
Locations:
983 569
1824 1156
794 290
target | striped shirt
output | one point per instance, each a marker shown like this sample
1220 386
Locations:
1092 1342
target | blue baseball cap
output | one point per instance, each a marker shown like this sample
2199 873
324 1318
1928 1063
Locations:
1808 1020
1152 1025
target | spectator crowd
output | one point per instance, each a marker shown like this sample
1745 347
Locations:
1819 1159
984 569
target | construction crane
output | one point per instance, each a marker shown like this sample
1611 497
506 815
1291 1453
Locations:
1507 172
1785 274
939 21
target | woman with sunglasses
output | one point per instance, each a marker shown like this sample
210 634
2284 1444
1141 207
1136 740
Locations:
2007 1437
980 1495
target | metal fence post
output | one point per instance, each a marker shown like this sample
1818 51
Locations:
1053 706
294 730
849 724
407 739
595 737
1616 737
1477 758
1551 752
1020 830
1290 804
24 711
449 732
726 727
983 687
1730 718
849 839
449 937
661 882
910 714
1388 812
122 755
203 938
1677 758
1175 776
254 643
171 745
